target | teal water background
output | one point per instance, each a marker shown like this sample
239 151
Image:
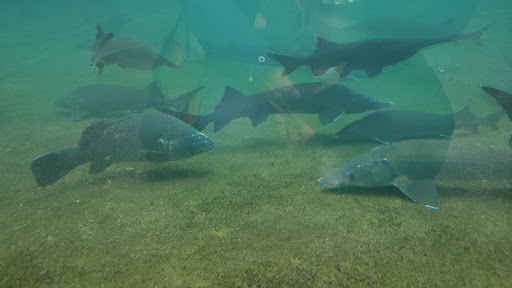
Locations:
250 212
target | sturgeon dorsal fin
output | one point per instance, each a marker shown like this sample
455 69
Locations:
322 44
102 38
100 32
93 133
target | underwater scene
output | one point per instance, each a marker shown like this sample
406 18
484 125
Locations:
230 143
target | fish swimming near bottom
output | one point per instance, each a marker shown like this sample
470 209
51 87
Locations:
329 101
390 126
413 166
100 99
143 137
396 125
504 99
467 121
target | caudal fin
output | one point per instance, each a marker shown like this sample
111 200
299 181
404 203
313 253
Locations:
49 168
198 122
466 120
503 98
182 102
491 120
154 94
101 41
160 60
289 63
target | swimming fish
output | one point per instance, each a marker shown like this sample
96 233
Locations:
504 99
369 55
143 137
413 166
466 120
330 101
396 125
127 52
102 99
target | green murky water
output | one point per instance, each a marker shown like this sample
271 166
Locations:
250 212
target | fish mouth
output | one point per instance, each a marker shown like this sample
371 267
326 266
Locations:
205 147
327 181
203 143
383 104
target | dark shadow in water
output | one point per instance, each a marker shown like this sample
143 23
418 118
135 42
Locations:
444 192
172 173
140 174
389 191
96 117
318 140
330 140
249 144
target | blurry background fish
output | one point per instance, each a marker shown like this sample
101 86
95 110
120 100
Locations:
246 30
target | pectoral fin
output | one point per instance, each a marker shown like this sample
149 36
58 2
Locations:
258 118
78 115
421 191
99 165
318 70
373 71
328 117
138 109
343 70
152 156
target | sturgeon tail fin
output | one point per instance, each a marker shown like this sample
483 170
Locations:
289 63
49 168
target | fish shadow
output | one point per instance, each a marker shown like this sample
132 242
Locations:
174 173
331 140
445 192
249 145
152 175
318 140
96 117
383 192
